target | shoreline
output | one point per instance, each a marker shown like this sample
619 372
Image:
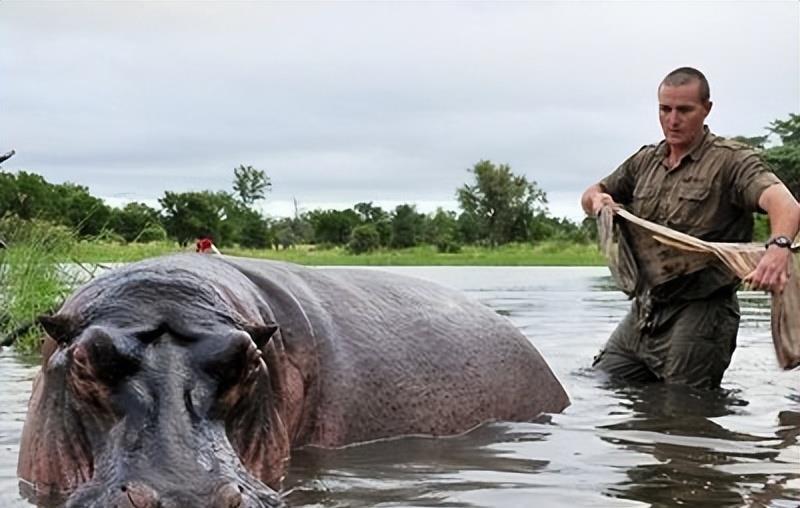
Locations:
548 253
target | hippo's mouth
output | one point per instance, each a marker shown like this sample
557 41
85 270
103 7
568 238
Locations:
163 419
162 471
139 495
142 495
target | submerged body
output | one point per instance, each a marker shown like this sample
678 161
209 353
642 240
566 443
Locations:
186 380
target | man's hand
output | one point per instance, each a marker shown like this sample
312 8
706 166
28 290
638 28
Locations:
594 199
602 199
772 270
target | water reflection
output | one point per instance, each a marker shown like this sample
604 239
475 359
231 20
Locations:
676 426
419 471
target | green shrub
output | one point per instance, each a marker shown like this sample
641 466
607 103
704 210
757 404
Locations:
448 246
152 233
109 236
364 238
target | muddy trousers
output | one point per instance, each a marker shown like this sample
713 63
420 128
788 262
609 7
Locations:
687 343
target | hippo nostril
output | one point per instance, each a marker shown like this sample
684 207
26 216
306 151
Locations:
141 496
228 496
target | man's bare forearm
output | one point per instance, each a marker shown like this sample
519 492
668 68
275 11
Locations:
782 209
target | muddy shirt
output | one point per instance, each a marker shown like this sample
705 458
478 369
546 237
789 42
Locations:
711 195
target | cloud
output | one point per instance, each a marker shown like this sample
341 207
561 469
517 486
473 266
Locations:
346 102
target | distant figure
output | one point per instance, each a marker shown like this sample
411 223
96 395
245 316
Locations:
6 156
206 245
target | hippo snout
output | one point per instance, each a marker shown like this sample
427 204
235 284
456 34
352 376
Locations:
137 495
231 495
142 495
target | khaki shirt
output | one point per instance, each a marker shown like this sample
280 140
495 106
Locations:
711 195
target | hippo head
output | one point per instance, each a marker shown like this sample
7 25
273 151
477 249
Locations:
155 391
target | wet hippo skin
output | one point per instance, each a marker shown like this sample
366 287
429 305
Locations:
186 380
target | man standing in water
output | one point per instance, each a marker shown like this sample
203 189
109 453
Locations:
684 330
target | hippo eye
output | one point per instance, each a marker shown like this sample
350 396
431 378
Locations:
97 355
150 336
227 365
227 368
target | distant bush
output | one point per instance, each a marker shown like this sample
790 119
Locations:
448 246
323 246
364 238
152 233
108 236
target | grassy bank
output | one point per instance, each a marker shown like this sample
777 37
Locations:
543 254
31 279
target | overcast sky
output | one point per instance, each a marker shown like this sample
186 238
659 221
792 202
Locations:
384 102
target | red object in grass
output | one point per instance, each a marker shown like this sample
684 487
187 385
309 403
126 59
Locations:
206 245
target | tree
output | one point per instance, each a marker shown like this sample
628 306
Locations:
406 227
467 228
544 227
190 215
130 221
252 230
290 231
333 226
787 130
785 158
376 216
75 207
250 184
28 196
500 204
755 141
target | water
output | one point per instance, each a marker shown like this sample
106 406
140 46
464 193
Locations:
614 446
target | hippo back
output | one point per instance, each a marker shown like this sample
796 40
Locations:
394 355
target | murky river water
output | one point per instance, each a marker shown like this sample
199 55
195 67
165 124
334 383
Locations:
614 446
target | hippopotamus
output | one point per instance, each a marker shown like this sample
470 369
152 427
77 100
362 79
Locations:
186 380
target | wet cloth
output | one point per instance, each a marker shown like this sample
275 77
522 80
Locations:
710 194
663 255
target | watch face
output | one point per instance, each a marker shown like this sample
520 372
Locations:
781 241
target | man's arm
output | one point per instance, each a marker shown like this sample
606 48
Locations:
772 271
616 188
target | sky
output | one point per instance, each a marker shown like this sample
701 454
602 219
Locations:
389 102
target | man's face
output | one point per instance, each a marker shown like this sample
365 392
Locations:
682 113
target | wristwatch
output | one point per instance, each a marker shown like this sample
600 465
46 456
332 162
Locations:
780 241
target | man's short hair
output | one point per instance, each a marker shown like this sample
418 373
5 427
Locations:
685 75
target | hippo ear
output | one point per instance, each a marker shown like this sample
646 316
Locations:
60 327
262 333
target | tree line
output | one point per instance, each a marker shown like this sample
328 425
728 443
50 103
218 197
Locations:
497 207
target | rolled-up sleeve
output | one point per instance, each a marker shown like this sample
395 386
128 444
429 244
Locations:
621 182
750 178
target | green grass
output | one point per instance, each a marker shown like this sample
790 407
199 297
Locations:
550 253
92 251
31 279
